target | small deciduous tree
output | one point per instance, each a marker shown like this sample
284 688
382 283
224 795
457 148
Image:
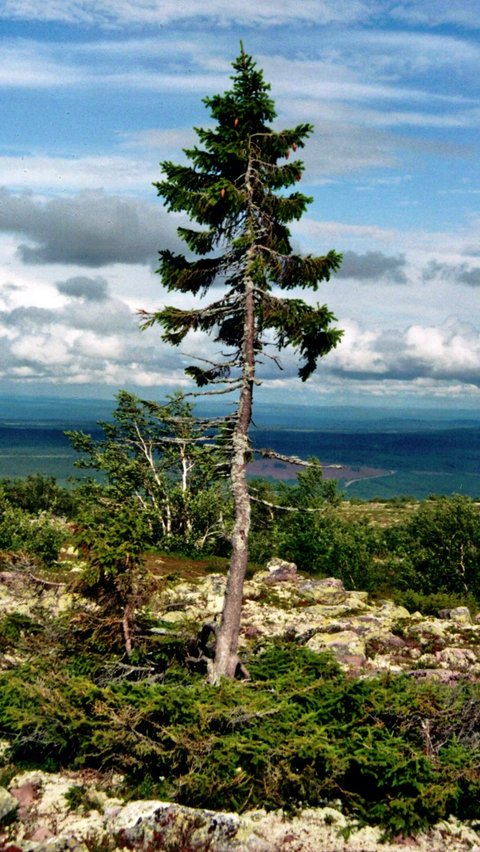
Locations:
234 188
151 454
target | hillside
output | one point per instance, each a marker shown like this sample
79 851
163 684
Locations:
381 730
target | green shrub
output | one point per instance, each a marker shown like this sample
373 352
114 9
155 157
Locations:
38 536
431 604
82 799
438 548
39 493
396 752
14 627
327 544
112 539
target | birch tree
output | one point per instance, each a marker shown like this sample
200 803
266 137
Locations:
157 457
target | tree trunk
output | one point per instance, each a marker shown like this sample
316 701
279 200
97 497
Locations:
226 657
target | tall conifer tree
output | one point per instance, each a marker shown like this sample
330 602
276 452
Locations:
235 190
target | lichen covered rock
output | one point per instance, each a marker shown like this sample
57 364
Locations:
48 824
364 635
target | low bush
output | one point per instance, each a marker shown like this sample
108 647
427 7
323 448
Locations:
431 604
399 753
14 628
39 536
39 493
438 548
328 545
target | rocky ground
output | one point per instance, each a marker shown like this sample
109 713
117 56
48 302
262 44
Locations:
367 637
72 811
80 811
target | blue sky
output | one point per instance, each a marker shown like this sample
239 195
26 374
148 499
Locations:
95 93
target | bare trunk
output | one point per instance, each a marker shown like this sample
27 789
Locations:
126 625
226 656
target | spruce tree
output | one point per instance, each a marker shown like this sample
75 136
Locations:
234 189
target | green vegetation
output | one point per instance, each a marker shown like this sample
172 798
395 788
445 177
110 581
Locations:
395 752
37 535
95 687
38 493
424 554
154 457
438 548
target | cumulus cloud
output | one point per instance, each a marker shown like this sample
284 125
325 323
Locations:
450 352
373 266
437 358
459 273
91 229
84 342
94 337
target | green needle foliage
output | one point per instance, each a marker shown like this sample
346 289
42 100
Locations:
399 753
231 190
237 189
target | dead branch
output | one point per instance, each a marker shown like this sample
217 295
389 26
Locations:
42 582
213 392
271 454
285 508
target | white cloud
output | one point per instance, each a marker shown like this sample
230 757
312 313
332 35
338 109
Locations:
24 66
168 141
46 350
111 13
93 346
83 341
405 53
56 174
341 148
318 234
357 351
462 13
452 349
450 352
338 80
